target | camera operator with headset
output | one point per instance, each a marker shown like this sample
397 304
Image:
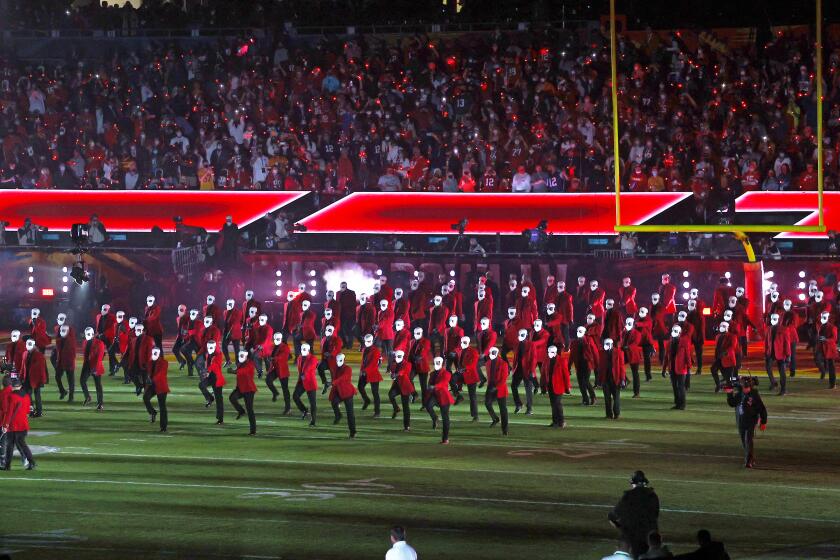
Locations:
743 396
636 514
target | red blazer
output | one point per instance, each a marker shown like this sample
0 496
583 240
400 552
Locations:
216 312
631 342
122 335
618 374
583 354
780 348
233 324
307 325
791 320
829 346
485 340
657 313
347 303
452 340
280 360
419 356
39 333
402 310
627 301
667 292
385 324
483 308
158 374
246 308
613 325
291 315
565 307
403 378
684 357
645 326
528 359
366 318
5 399
106 326
184 329
197 331
335 323
728 349
497 376
596 302
307 367
152 321
14 353
65 351
539 340
698 323
245 377
214 366
16 417
721 299
511 334
438 315
34 369
550 295
418 302
330 348
455 302
92 359
385 292
468 361
342 383
261 337
559 377
439 387
402 340
370 364
526 311
210 333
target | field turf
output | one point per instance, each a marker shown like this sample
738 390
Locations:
108 485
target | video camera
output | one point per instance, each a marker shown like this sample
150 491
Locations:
738 383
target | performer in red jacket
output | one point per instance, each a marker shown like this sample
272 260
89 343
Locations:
467 374
342 392
559 383
497 389
365 319
627 298
106 331
331 318
402 386
631 344
483 308
245 389
644 324
154 327
143 344
402 306
369 373
330 348
33 374
825 350
659 327
15 425
182 338
698 338
452 342
94 353
439 396
15 349
260 344
776 351
611 376
419 359
485 340
307 382
418 300
438 315
791 321
678 360
612 321
65 361
523 372
583 355
233 329
38 329
565 306
385 327
215 379
193 345
540 340
667 292
120 340
279 369
158 385
726 356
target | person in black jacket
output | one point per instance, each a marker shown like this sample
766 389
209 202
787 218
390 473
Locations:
637 513
749 410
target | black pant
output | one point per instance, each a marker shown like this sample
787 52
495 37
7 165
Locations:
374 388
260 361
564 330
792 359
529 390
634 370
97 381
698 356
678 385
489 398
471 389
187 351
557 418
387 348
323 368
743 341
746 431
424 382
12 441
392 396
36 400
825 366
113 363
220 402
177 349
612 400
299 390
226 341
444 414
346 332
348 409
158 338
161 398
585 385
647 351
205 382
71 381
234 397
284 385
768 365
436 340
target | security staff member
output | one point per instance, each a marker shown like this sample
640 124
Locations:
749 410
637 513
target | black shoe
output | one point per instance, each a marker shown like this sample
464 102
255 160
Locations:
100 407
517 409
326 388
337 420
434 423
182 366
163 430
474 419
529 412
220 422
312 424
87 401
31 466
553 425
376 415
62 395
366 405
239 415
413 398
152 417
459 399
396 411
71 399
274 398
305 415
610 416
286 411
493 422
252 433
635 395
481 385
352 435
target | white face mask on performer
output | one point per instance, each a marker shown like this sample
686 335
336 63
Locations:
643 312
383 305
593 285
399 356
609 304
676 331
211 300
193 314
138 330
339 360
330 295
229 304
512 284
277 338
654 299
368 340
252 312
249 295
60 319
182 310
418 334
693 293
511 313
818 297
243 356
437 301
739 292
399 325
453 321
733 301
155 354
438 362
787 305
30 345
493 353
691 304
414 284
552 351
625 282
132 322
444 290
305 305
105 309
89 332
398 293
150 301
774 319
290 296
15 336
550 309
581 332
774 296
581 281
561 287
465 342
481 295
824 317
63 331
608 344
682 316
207 322
329 330
304 349
522 335
525 291
263 320
727 315
35 313
629 323
120 316
328 313
485 323
723 327
590 319
538 325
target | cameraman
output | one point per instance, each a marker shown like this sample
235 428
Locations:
749 409
636 514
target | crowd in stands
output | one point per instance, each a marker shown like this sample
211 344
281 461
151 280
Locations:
500 112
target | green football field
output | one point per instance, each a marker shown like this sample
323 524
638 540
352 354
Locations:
109 485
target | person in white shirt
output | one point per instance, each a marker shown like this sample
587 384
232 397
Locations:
181 141
400 550
521 181
623 552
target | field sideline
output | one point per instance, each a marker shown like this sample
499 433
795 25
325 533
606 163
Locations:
108 485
